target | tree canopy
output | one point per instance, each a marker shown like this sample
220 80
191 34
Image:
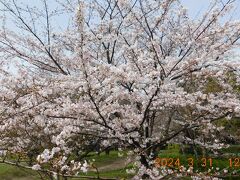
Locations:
125 73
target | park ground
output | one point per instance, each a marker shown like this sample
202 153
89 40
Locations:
115 166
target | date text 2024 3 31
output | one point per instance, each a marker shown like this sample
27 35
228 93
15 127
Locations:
233 162
176 163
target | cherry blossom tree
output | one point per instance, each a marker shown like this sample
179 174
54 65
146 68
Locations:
124 73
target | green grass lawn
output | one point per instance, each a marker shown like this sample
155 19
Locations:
108 164
8 172
103 159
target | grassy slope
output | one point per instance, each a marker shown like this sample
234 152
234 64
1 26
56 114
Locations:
103 161
8 172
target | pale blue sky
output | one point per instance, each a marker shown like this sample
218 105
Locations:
195 8
198 6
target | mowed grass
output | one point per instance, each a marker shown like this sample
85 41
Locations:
104 159
9 172
108 164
